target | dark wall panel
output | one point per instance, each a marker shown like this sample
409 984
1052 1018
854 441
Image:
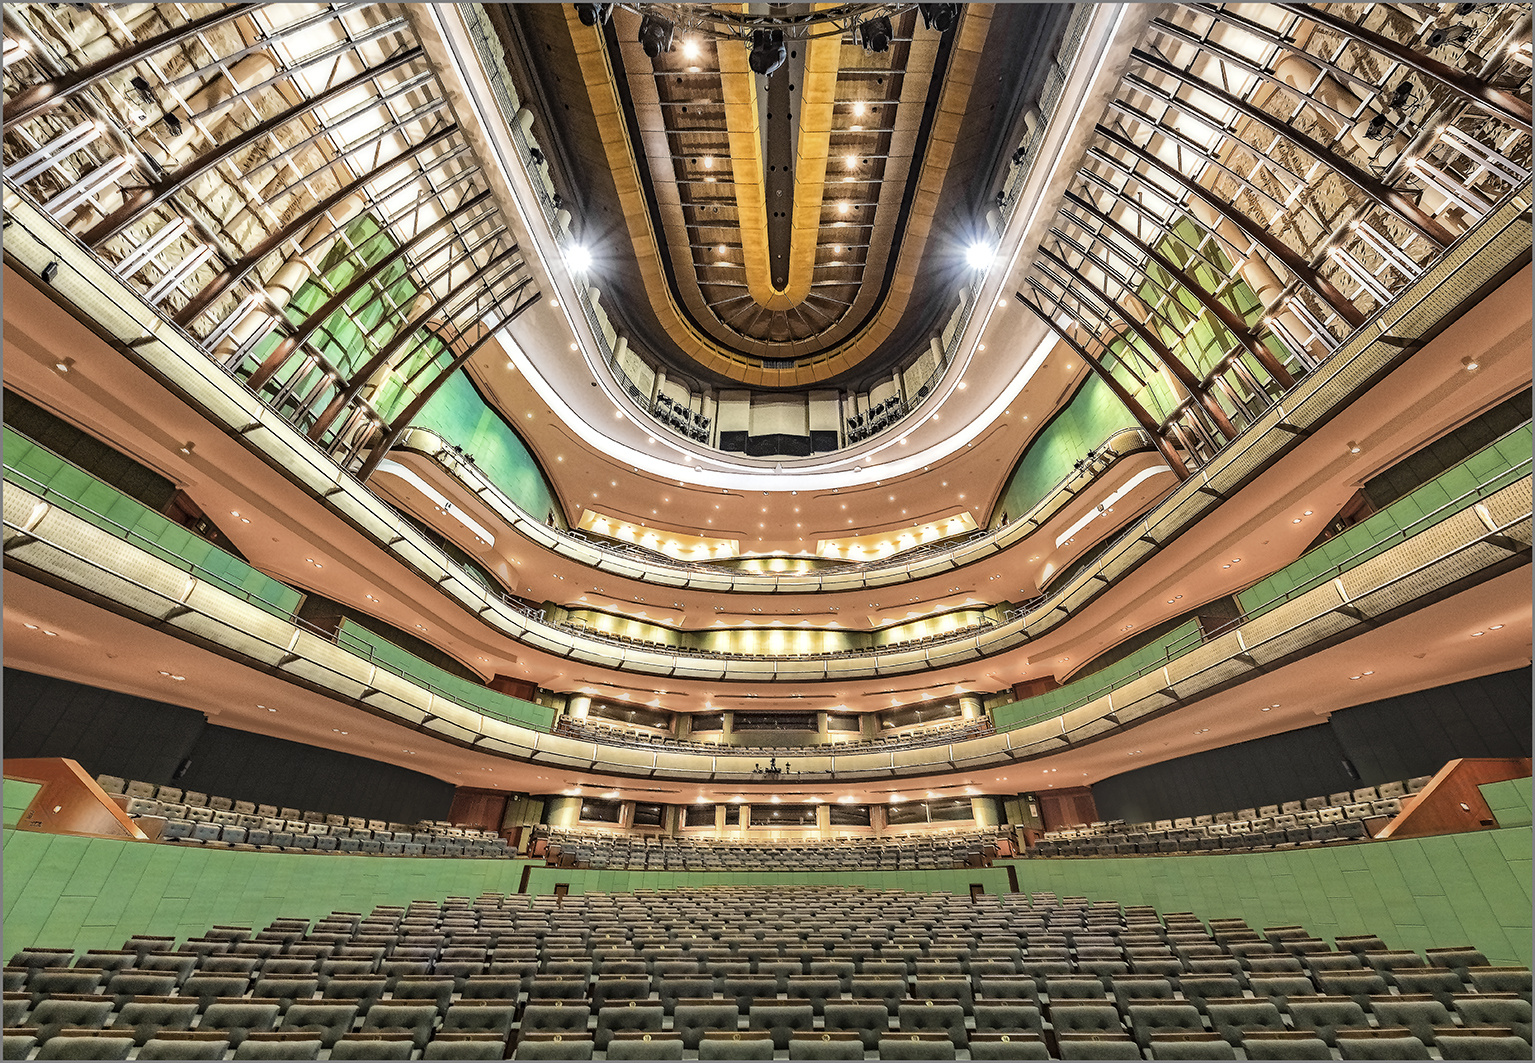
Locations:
1263 772
1396 738
1415 734
137 738
109 733
274 771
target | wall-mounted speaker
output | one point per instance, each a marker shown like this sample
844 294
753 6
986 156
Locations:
182 768
1348 766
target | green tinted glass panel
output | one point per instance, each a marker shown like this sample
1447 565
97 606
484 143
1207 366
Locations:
35 469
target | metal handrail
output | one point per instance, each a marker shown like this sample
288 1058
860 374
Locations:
1182 645
448 455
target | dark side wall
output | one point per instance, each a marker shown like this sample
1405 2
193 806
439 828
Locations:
1397 738
137 738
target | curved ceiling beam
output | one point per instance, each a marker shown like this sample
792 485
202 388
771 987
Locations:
738 89
818 96
599 77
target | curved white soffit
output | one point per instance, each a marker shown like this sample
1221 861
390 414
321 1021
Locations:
856 472
1108 503
854 469
437 498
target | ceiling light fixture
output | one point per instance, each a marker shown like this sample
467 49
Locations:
768 52
656 35
979 256
875 34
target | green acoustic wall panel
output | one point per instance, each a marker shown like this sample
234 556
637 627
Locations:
86 893
1068 696
1489 469
1509 801
387 655
952 880
459 414
35 468
1416 893
18 795
1092 415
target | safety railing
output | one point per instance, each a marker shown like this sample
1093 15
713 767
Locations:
1493 245
55 542
889 569
1182 644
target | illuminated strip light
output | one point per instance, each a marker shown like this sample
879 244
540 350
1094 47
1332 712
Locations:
437 498
1108 503
848 470
1354 268
1484 156
1450 188
1387 250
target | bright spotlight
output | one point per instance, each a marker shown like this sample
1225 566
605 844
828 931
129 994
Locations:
979 256
578 258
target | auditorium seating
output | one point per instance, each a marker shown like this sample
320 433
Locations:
911 852
193 818
935 734
745 973
1338 817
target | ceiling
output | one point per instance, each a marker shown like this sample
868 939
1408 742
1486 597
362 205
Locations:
780 218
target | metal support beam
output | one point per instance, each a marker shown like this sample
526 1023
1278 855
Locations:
1499 102
1132 404
1222 313
1169 360
361 377
1291 260
1377 190
45 96
402 420
136 203
238 271
293 340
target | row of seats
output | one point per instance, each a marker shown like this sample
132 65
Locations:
601 852
1367 802
1341 817
192 818
937 734
802 973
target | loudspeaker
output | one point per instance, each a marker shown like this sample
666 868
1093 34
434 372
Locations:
1348 766
186 766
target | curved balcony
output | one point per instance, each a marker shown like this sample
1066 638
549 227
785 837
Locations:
648 566
50 536
36 243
